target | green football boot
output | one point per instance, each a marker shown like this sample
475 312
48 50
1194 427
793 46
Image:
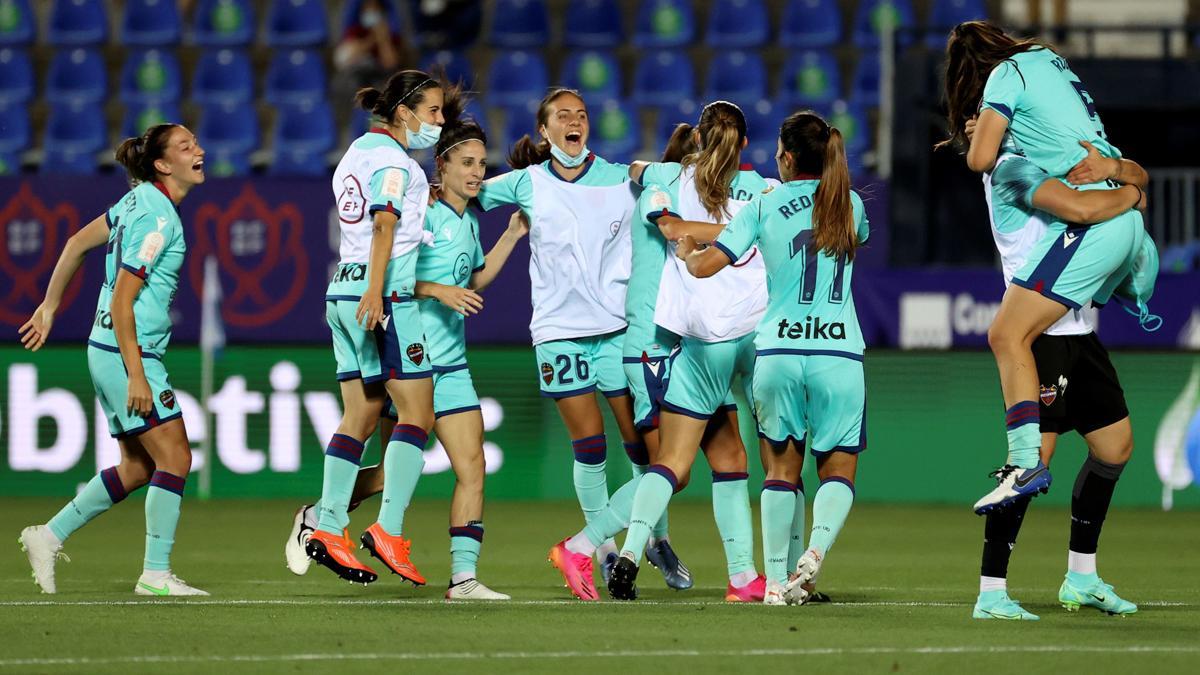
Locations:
1096 594
997 605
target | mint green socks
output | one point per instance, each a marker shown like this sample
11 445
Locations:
402 465
831 505
99 495
796 546
1023 421
778 506
342 458
162 516
465 543
731 510
654 490
639 459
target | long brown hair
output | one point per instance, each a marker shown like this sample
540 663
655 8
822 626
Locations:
526 151
818 149
722 131
973 50
139 153
680 144
406 87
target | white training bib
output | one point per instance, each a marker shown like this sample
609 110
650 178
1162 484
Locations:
722 307
353 194
580 255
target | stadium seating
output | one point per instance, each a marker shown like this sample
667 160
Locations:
594 73
669 116
851 119
811 23
18 25
16 76
223 75
73 137
141 116
295 76
763 119
76 75
664 23
456 65
151 23
811 78
150 75
520 24
593 24
663 75
865 86
870 15
946 14
296 23
228 133
736 76
14 135
304 135
350 11
223 23
614 132
738 24
77 23
517 77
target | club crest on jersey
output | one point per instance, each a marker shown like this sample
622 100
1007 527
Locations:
168 399
547 373
614 227
416 352
462 268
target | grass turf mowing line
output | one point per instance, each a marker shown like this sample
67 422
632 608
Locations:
904 578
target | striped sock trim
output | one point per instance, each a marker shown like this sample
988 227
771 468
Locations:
168 481
638 454
471 531
779 486
725 477
345 447
591 450
1025 412
666 473
112 483
839 479
407 433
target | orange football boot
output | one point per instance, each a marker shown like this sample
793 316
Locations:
393 552
337 553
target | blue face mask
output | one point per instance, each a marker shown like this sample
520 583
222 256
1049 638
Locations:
425 137
567 160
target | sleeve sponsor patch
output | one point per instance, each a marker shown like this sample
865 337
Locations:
660 199
152 244
393 183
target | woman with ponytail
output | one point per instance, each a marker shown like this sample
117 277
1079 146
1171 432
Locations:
808 375
129 338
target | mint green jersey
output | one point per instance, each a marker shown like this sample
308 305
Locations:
650 249
1048 110
453 256
810 309
145 238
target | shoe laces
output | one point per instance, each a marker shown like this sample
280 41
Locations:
1002 473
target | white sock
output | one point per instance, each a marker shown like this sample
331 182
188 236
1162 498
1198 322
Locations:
654 542
51 537
580 544
992 584
1081 563
461 577
155 574
602 552
742 578
310 517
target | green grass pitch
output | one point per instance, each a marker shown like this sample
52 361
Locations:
903 580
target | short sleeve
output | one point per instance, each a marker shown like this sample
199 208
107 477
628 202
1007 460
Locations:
660 173
654 203
1016 180
477 261
387 190
862 225
510 188
1003 90
143 242
741 232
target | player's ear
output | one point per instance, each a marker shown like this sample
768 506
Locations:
161 166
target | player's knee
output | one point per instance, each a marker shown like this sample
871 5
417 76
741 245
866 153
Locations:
136 471
1000 338
469 473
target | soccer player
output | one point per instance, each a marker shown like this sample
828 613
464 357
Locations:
1079 388
808 375
378 339
129 338
1029 101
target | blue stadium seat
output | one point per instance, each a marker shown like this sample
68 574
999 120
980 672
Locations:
594 73
223 23
946 14
811 78
851 119
77 22
763 118
151 75
593 24
223 75
295 76
14 136
663 75
811 23
517 77
223 163
74 134
738 24
872 13
518 121
141 116
16 76
228 132
669 116
304 135
865 87
457 66
76 75
18 24
614 131
664 23
351 9
520 24
736 76
297 23
151 23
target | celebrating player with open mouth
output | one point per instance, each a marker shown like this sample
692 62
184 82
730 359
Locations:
125 354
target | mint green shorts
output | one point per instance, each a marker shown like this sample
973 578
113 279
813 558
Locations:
582 365
647 368
395 350
1081 264
112 390
818 396
453 392
702 375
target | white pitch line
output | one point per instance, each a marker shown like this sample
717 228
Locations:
472 656
565 602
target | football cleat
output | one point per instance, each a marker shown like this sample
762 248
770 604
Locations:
43 550
675 573
802 584
606 567
755 591
471 589
1099 595
337 553
293 551
576 569
623 583
774 594
164 584
392 551
997 605
1013 483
